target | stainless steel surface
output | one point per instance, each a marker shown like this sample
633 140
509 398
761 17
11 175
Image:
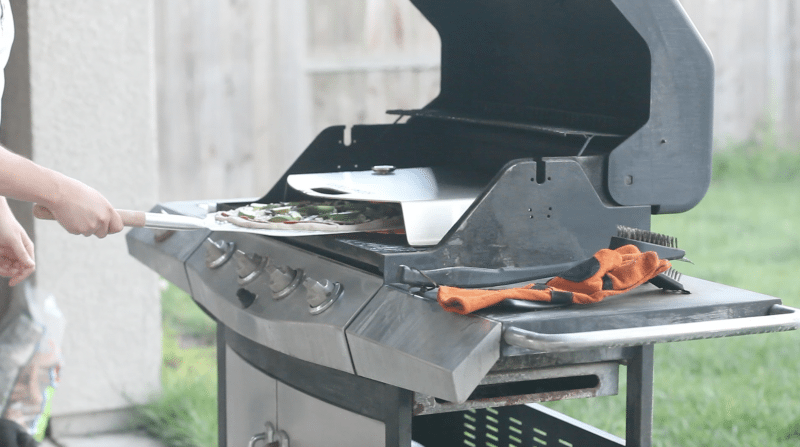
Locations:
166 257
402 185
777 321
271 437
646 306
413 343
256 438
432 199
284 325
281 439
383 169
251 400
426 222
172 222
607 374
162 235
314 423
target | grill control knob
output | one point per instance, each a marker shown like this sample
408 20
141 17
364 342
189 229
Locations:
283 280
321 294
248 267
246 297
217 253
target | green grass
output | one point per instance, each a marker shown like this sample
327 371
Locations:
728 392
182 315
184 414
738 391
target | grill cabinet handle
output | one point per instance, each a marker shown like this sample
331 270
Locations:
273 438
256 438
780 318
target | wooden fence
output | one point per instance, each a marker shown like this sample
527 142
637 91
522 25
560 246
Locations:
244 85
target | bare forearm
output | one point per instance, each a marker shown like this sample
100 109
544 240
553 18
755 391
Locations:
23 179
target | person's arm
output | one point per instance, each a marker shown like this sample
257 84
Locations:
23 179
77 207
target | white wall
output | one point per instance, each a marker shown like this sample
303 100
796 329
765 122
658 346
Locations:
89 84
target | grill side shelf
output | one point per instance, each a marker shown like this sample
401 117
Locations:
781 318
648 316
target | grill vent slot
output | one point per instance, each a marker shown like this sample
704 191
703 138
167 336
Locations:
514 426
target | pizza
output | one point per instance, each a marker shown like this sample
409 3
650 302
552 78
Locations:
333 216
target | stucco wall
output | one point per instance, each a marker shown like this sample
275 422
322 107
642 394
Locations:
90 71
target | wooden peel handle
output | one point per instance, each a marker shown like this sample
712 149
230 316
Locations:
129 218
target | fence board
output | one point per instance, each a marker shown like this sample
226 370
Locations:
244 85
756 48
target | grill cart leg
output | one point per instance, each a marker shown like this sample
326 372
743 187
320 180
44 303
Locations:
639 408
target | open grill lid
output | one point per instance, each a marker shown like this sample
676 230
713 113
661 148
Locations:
636 69
585 115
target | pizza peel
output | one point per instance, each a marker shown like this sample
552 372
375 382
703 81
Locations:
165 221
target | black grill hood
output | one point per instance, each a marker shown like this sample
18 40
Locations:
633 68
585 115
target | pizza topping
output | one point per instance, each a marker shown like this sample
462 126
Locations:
323 214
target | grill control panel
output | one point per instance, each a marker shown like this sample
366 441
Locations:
276 294
217 252
248 267
321 294
283 280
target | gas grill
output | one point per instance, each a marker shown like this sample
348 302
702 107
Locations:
557 122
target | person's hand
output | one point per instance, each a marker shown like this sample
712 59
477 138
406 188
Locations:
16 248
80 209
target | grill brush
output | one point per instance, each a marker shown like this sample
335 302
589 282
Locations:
665 246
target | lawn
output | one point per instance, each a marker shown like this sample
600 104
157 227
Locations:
185 413
728 392
733 391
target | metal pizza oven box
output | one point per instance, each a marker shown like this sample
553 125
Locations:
580 114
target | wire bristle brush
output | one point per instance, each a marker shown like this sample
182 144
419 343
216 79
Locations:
674 274
646 236
665 246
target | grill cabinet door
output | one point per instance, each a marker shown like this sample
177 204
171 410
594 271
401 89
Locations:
250 400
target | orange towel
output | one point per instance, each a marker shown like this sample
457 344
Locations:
608 272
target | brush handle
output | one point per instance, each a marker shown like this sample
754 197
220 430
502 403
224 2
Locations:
129 218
